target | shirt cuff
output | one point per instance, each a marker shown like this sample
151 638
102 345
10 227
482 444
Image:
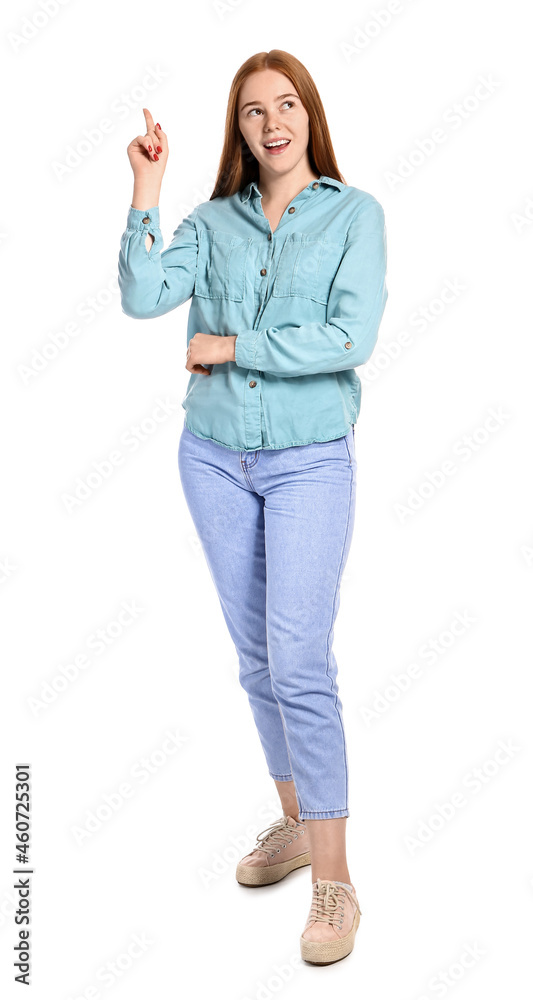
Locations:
144 221
245 348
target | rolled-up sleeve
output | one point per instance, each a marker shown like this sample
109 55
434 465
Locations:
355 307
152 282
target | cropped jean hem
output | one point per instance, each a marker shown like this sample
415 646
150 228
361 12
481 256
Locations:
281 777
330 814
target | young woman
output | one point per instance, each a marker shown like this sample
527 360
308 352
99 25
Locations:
286 267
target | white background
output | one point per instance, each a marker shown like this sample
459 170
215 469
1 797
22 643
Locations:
425 549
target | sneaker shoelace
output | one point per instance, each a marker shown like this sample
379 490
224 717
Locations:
276 836
328 902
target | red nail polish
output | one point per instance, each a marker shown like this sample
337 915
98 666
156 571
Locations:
159 149
156 156
158 125
149 149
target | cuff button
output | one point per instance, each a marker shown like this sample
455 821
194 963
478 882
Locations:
147 219
348 344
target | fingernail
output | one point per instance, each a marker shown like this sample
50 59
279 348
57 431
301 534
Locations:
149 149
159 149
157 125
156 156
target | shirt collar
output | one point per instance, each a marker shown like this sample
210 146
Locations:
252 187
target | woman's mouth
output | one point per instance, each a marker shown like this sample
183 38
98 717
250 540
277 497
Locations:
279 147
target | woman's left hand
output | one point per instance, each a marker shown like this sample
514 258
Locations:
209 349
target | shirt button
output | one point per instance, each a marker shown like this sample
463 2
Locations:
263 271
291 210
315 185
347 344
252 385
147 219
269 237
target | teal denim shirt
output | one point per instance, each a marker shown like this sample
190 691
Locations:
305 302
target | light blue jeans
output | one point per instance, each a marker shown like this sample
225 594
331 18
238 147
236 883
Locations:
275 526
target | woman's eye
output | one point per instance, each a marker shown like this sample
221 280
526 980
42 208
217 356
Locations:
259 109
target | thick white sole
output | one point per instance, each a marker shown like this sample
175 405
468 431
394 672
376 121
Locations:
267 874
324 952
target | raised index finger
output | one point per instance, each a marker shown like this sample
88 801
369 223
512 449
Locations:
149 120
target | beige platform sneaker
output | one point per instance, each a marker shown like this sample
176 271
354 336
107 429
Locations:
334 916
280 849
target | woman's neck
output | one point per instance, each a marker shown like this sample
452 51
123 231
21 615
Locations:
281 190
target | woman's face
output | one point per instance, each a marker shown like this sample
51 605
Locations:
270 109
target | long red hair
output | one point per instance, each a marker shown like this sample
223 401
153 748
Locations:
238 166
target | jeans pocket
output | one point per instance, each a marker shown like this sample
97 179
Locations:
349 442
348 445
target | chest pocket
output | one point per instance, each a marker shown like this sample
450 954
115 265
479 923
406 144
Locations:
221 269
308 264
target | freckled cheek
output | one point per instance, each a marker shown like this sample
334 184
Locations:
253 138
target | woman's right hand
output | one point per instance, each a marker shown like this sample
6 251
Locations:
147 163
